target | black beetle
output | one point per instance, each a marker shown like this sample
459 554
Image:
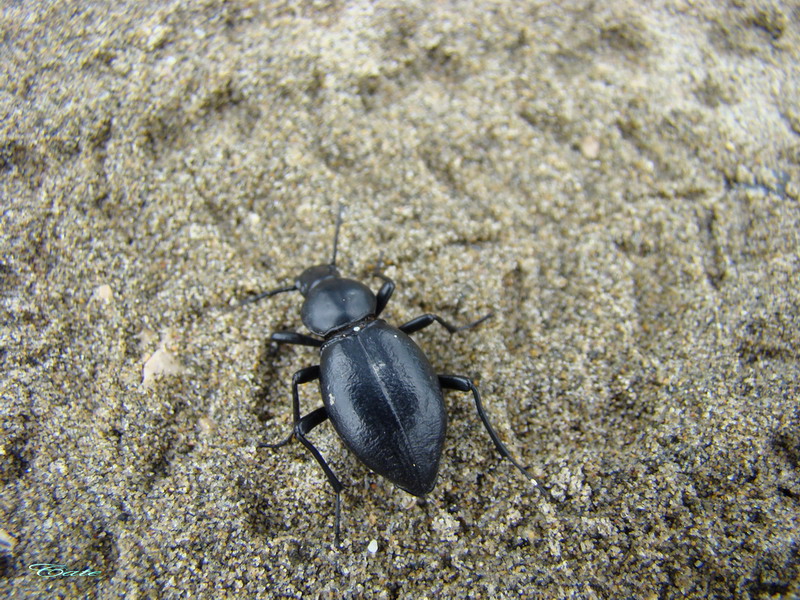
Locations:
378 388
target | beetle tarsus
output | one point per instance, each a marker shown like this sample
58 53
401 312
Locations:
337 526
476 323
262 295
280 444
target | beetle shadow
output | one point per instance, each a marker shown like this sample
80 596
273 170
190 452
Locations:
270 388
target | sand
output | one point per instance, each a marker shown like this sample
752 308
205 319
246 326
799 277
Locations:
618 182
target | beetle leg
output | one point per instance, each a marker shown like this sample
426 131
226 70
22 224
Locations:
279 444
464 384
301 428
387 289
305 425
428 319
292 337
301 376
267 294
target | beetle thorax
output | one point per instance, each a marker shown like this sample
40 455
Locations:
334 302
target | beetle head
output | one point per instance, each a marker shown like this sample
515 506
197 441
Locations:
313 275
333 303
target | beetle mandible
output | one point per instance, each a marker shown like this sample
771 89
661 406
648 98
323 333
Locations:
378 388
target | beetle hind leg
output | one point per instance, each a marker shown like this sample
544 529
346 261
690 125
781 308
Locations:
302 426
464 384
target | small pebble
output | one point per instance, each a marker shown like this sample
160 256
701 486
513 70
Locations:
161 362
590 147
103 293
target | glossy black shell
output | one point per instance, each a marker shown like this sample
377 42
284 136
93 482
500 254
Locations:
385 402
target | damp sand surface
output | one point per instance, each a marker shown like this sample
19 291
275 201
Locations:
617 182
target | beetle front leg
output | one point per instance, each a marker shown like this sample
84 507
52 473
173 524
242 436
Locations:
386 291
428 319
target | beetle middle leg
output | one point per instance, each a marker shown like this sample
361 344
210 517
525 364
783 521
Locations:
303 425
423 321
292 337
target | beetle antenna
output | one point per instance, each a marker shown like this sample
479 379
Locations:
336 234
267 294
